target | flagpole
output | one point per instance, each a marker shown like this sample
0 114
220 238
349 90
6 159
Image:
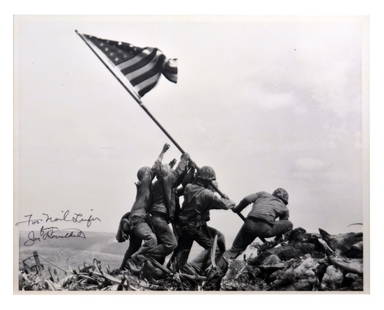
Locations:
137 99
139 102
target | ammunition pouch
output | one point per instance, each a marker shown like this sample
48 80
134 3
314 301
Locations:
134 220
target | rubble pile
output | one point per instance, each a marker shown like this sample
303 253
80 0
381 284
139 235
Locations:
94 277
303 262
300 262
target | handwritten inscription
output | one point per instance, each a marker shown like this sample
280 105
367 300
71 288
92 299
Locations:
42 226
66 216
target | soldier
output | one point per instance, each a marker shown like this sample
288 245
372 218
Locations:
134 223
163 206
199 198
261 221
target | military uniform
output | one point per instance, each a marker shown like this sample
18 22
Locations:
163 207
142 238
261 220
192 221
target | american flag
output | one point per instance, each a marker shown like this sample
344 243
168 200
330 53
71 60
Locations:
141 66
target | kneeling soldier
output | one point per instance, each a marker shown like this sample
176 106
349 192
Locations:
261 221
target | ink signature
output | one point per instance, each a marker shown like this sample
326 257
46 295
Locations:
53 233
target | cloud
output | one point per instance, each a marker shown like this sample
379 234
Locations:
270 97
310 164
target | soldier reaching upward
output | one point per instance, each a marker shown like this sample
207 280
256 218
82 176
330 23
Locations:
162 209
135 222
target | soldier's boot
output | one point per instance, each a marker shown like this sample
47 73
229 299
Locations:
150 271
135 264
192 269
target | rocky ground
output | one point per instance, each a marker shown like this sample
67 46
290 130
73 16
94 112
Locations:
300 262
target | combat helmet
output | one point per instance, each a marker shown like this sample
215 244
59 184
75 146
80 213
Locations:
206 173
282 194
142 171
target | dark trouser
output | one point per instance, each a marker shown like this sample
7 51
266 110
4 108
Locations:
142 240
166 239
204 236
253 228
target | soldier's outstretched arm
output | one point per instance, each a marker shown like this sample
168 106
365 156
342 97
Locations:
229 204
157 165
221 203
165 148
182 166
245 202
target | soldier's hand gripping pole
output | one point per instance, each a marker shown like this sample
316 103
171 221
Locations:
217 189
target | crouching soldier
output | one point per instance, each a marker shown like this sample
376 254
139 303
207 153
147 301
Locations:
261 221
134 224
199 198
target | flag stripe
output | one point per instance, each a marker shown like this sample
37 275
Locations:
140 63
172 77
172 70
148 67
135 59
147 89
147 82
156 69
142 67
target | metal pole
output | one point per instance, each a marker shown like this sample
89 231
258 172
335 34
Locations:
162 128
241 216
138 100
109 68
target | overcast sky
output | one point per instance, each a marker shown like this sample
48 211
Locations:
267 103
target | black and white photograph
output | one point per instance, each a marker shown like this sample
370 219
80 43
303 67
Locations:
190 154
